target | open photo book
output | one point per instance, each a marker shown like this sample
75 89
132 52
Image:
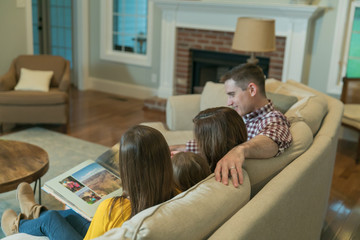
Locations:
84 187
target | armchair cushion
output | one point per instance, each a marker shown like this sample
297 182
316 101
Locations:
352 112
53 96
34 80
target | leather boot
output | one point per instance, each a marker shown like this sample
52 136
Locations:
10 222
28 206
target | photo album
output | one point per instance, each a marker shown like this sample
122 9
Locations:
84 187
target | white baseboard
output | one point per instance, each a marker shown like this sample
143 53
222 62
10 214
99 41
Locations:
123 89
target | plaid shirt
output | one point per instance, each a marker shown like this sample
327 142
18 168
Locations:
264 121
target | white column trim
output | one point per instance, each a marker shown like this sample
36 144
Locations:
81 44
29 30
334 84
167 53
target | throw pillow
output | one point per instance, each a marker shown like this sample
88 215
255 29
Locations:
34 80
311 110
281 102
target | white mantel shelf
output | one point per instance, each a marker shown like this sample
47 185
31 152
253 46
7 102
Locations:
291 21
251 9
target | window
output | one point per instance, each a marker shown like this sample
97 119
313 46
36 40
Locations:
126 27
353 57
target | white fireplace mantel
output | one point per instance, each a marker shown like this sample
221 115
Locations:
291 21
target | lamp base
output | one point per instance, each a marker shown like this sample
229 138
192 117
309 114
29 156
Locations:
252 59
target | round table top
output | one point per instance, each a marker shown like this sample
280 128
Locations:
20 162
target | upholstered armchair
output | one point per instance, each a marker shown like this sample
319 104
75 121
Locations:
350 96
35 100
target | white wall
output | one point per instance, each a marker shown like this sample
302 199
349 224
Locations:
13 29
119 72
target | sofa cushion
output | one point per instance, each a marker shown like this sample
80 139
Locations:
311 110
263 170
194 214
213 95
54 96
281 102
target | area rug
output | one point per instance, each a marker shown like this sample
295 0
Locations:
64 153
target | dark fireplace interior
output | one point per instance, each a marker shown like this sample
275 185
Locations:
210 66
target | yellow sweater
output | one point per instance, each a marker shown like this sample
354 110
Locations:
101 222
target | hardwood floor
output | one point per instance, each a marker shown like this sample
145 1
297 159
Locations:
102 118
343 215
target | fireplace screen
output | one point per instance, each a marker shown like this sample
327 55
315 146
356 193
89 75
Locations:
210 66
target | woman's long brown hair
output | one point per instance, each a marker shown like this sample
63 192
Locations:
145 168
217 131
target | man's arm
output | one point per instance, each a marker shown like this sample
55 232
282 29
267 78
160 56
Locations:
258 147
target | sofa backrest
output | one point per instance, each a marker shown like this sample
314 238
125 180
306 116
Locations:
261 171
193 214
214 95
293 204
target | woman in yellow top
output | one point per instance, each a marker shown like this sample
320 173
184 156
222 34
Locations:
147 179
146 175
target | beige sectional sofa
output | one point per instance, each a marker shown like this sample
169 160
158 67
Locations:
289 193
283 197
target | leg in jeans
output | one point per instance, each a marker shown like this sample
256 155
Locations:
80 224
51 224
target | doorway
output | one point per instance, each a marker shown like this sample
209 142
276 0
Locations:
52 24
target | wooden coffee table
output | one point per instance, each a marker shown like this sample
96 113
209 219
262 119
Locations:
21 162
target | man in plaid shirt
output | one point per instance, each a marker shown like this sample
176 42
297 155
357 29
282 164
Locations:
268 129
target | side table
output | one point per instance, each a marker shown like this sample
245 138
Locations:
21 162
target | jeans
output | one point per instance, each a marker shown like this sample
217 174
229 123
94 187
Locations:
63 224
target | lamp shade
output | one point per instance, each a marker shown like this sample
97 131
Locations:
254 35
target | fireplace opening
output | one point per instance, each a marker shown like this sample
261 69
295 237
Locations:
210 66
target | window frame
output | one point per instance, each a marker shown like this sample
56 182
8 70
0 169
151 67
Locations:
106 40
354 5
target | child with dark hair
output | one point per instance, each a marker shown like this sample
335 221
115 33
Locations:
217 131
189 168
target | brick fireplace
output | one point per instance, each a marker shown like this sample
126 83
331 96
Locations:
214 21
217 41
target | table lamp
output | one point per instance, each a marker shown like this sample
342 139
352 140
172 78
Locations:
254 35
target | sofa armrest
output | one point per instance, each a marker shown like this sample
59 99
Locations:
8 80
171 137
65 80
180 110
